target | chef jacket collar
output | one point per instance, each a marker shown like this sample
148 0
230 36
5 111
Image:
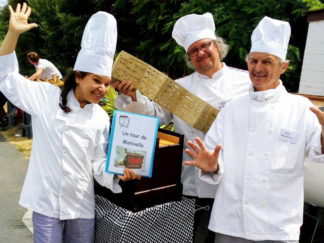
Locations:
74 104
267 95
216 75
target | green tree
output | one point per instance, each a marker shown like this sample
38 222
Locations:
58 36
145 26
235 21
151 22
314 4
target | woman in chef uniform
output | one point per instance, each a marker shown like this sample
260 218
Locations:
70 131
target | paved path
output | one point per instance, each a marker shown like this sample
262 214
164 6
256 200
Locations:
13 168
13 217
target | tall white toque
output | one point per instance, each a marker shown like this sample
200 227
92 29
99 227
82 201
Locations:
98 45
193 27
271 36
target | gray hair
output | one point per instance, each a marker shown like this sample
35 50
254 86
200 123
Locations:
223 50
281 61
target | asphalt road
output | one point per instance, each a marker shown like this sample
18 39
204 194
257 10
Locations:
13 168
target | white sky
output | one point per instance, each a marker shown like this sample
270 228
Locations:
3 3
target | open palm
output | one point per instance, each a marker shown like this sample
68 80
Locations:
18 22
203 158
319 114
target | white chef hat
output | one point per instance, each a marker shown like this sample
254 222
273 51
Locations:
98 45
193 27
271 36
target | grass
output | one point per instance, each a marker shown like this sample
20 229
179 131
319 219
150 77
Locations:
13 136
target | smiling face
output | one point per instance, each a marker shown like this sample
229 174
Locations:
265 70
205 56
91 88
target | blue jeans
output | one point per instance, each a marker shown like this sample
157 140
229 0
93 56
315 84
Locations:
53 230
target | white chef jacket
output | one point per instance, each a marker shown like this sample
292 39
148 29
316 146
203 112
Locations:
49 69
68 148
265 137
216 91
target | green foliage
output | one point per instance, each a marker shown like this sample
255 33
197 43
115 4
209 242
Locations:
237 30
235 21
169 127
314 4
108 103
58 36
151 22
145 27
4 17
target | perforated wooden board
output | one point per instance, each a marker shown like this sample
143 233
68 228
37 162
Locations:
158 87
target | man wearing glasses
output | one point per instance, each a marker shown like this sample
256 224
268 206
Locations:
213 82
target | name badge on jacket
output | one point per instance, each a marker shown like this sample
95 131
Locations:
288 136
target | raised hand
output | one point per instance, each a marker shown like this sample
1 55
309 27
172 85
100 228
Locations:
125 87
320 117
319 114
203 158
129 174
18 22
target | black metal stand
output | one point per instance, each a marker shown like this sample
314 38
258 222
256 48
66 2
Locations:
11 114
27 126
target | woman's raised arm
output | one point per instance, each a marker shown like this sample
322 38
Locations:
18 24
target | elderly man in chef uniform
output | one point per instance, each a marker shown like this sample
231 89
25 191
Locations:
213 81
254 152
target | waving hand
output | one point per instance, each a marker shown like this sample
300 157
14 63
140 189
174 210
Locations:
320 117
18 24
203 158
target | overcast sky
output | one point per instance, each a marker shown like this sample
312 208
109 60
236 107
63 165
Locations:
3 3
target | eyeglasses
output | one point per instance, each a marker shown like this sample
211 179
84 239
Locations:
194 52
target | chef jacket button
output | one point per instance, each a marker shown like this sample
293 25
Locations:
252 130
264 180
250 153
263 204
272 107
246 202
267 154
270 131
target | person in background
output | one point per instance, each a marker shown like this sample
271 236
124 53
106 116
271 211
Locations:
212 81
70 131
3 113
254 152
44 68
